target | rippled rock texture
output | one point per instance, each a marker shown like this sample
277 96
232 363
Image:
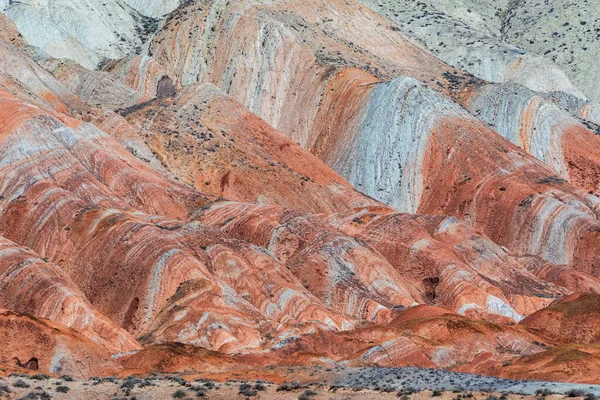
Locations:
275 183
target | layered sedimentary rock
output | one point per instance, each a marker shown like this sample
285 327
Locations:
452 265
210 141
34 286
459 35
542 128
153 8
562 275
26 79
428 337
111 29
9 32
587 110
573 319
380 135
565 32
289 183
96 88
569 363
143 74
54 348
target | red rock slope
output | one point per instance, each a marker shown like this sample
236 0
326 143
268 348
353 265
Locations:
167 215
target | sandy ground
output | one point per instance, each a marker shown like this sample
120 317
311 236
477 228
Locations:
352 383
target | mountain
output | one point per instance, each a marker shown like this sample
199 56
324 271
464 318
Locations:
233 185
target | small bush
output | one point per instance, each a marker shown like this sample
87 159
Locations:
147 382
260 387
98 381
543 392
62 389
575 393
179 394
4 388
179 380
21 384
288 387
590 396
44 396
307 394
127 385
406 391
436 393
40 377
67 378
246 390
29 396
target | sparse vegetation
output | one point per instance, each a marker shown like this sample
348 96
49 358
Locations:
29 396
247 390
21 384
289 386
260 387
62 389
543 392
41 377
307 394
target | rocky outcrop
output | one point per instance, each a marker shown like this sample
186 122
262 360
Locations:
140 73
54 348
